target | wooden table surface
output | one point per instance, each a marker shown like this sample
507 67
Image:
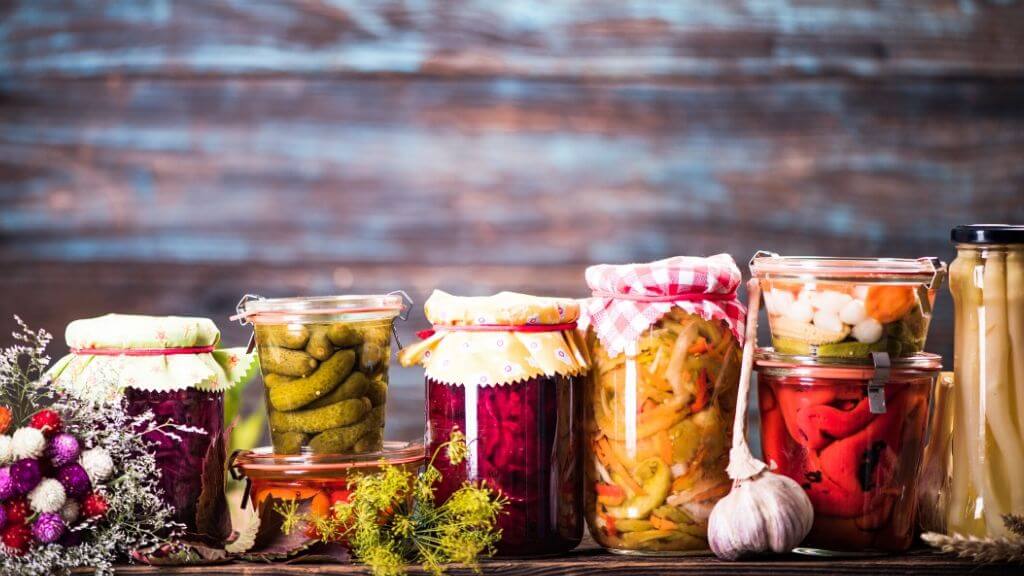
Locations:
590 559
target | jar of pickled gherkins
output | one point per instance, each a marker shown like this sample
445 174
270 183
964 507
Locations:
325 369
847 307
506 370
852 434
987 282
665 340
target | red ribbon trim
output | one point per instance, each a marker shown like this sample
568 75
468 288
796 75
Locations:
689 296
424 334
143 351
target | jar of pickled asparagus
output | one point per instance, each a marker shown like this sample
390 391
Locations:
665 340
848 307
853 436
506 370
987 282
325 369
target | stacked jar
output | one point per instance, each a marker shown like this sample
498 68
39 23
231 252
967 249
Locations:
845 391
665 340
506 371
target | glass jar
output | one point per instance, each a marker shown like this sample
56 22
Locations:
507 371
658 429
170 366
314 482
853 435
664 340
987 282
325 369
848 307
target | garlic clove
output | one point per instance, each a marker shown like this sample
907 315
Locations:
868 331
853 313
800 311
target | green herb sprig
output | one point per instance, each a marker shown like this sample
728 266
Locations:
392 519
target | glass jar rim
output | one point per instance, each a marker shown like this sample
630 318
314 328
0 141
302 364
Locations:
263 463
925 270
767 359
258 310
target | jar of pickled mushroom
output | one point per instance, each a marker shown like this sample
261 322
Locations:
853 435
506 370
174 367
665 340
987 282
325 369
848 307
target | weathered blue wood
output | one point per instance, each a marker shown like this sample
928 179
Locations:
533 38
502 171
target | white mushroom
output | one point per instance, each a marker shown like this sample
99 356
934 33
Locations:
853 313
867 331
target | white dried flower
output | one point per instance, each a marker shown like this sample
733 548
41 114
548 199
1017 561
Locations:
69 512
27 443
98 465
6 450
48 496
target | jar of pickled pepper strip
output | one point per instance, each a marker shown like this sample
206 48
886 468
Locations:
665 340
853 435
506 370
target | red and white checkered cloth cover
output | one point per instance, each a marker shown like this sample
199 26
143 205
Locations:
620 321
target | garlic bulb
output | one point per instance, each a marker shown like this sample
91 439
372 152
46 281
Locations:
764 511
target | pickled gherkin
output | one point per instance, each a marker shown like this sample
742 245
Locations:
326 384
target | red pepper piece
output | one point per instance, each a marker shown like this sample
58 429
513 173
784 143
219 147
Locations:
703 394
823 423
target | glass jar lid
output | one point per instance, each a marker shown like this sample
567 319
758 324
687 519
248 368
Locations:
259 310
771 362
263 463
988 234
927 270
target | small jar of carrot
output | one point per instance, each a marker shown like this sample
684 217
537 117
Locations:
665 340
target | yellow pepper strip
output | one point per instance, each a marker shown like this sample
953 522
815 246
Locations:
662 523
616 466
665 447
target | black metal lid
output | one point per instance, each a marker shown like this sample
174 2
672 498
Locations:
988 234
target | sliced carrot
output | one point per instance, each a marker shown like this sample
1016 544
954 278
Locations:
665 447
609 524
616 465
648 405
715 492
680 483
610 494
662 523
701 401
320 507
889 303
699 347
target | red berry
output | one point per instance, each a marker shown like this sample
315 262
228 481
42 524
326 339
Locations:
17 510
16 538
95 506
46 420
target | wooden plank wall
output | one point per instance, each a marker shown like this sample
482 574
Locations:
167 157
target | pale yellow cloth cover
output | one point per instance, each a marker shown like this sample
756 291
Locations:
104 378
498 357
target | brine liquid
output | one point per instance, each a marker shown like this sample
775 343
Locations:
523 440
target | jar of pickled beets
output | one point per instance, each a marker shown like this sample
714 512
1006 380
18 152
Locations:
506 370
853 435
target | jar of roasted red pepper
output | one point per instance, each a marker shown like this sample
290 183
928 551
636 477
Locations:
506 371
853 435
